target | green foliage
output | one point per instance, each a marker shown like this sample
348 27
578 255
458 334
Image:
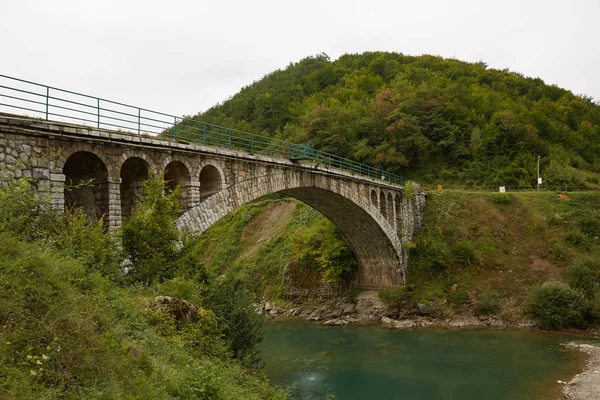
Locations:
68 332
150 236
408 191
584 275
459 297
431 251
241 325
501 198
464 252
320 247
69 328
402 296
24 211
487 303
89 242
577 239
555 305
426 117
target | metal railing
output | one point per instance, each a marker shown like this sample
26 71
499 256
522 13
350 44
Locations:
48 103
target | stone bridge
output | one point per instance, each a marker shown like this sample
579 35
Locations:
102 171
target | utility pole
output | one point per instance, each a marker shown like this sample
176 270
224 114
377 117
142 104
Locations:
538 177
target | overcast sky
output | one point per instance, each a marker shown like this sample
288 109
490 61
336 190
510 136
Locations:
182 57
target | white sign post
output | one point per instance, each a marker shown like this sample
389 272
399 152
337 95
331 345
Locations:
502 189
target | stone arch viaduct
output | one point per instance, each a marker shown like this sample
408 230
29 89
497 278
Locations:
102 171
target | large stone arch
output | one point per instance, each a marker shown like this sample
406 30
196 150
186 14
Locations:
86 184
134 171
367 231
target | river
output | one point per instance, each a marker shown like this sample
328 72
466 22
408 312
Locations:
373 362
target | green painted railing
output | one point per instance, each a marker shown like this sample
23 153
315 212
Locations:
52 103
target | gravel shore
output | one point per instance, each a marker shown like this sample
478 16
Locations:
586 385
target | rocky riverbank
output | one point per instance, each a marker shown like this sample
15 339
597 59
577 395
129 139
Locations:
585 385
368 308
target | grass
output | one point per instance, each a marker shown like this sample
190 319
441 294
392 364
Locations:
67 332
510 243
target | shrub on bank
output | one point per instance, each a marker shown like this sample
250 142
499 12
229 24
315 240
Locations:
583 276
555 305
487 303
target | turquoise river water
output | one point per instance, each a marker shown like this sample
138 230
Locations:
372 362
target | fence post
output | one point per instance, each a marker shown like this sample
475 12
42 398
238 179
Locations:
139 116
204 131
251 144
230 134
47 100
98 113
174 127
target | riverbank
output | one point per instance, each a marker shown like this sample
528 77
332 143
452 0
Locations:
585 385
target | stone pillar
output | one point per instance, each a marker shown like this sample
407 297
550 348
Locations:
56 186
194 193
113 217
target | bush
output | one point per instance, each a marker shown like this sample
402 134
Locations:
577 239
150 236
88 242
463 252
583 277
431 251
487 303
590 227
458 297
25 212
555 305
240 324
501 198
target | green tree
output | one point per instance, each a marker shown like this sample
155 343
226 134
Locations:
150 236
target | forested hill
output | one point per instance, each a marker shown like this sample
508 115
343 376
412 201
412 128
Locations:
427 118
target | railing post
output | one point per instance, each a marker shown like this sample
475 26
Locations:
174 127
252 144
98 113
204 131
139 117
230 135
47 100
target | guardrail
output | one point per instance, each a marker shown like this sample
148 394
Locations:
48 102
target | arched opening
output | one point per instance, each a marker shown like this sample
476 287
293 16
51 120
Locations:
382 205
210 182
177 174
398 206
133 173
374 198
390 208
86 184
